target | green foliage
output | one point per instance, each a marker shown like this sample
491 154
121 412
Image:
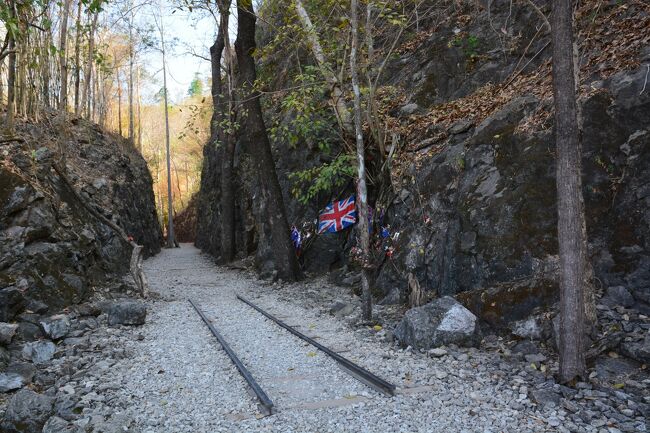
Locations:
306 118
323 178
468 43
196 86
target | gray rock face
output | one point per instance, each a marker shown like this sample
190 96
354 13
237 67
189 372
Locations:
39 352
59 270
441 322
619 295
7 332
393 297
27 412
4 358
56 327
126 313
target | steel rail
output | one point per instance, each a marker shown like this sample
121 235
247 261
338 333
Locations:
355 370
265 401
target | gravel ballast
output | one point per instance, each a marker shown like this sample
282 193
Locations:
171 374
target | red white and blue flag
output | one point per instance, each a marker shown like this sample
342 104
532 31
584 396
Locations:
337 216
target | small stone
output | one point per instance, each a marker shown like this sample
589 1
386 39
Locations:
545 397
11 382
56 327
7 332
553 422
437 352
340 308
39 352
441 375
55 425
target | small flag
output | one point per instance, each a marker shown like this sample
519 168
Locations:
337 216
296 238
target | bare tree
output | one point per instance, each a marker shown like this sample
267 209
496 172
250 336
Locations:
77 59
571 218
362 193
337 99
63 44
11 72
130 81
171 243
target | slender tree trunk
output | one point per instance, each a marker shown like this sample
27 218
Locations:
170 210
63 42
21 64
571 219
285 256
2 87
45 62
77 60
139 110
89 66
337 99
362 195
11 84
119 104
131 62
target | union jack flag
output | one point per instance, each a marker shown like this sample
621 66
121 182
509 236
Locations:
337 216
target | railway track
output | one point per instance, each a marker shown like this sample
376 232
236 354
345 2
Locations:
265 403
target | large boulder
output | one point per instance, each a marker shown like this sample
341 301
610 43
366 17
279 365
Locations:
56 327
126 313
440 322
7 332
27 412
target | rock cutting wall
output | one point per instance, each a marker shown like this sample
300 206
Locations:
53 252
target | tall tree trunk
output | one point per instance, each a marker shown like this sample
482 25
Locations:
131 62
285 258
337 99
11 84
45 61
137 98
77 60
571 218
89 65
226 138
170 210
63 42
362 194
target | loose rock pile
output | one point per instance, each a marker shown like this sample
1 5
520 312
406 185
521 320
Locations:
48 361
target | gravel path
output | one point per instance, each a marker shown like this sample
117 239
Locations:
180 380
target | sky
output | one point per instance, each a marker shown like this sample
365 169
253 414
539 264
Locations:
185 33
